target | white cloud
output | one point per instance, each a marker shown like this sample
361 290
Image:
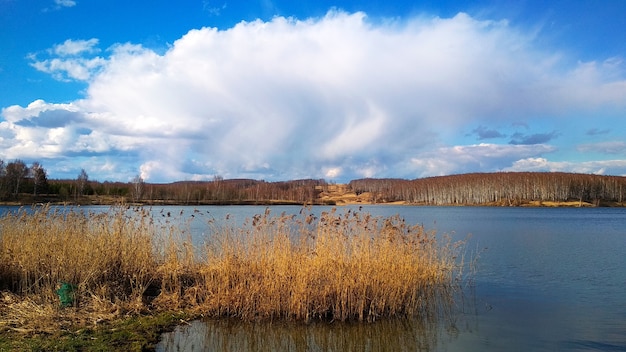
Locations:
75 47
332 172
70 60
65 3
45 130
608 147
600 167
70 69
60 4
332 97
211 9
474 158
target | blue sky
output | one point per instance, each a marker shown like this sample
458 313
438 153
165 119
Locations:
280 90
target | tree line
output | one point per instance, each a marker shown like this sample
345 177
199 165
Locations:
16 178
230 191
499 188
24 183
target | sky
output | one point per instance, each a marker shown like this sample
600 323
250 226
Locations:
338 90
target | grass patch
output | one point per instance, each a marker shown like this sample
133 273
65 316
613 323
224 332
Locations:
136 333
129 271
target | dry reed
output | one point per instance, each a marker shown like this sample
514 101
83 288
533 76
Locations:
340 267
350 266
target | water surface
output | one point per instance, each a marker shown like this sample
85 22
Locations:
548 279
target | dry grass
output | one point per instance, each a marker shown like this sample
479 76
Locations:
348 266
109 257
344 267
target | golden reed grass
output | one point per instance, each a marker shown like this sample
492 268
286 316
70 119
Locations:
349 266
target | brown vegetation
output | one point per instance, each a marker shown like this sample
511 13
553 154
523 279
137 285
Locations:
348 266
20 184
499 189
341 194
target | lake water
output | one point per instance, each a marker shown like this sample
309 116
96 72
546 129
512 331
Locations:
548 279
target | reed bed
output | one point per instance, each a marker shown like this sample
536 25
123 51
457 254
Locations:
339 266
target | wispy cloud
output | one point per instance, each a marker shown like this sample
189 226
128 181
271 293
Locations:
336 97
599 167
483 133
69 69
65 3
473 158
71 60
59 4
609 147
211 8
596 131
76 47
537 138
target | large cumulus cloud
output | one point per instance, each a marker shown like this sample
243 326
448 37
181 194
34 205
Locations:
332 97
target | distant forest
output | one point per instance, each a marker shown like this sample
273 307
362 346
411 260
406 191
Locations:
22 184
498 188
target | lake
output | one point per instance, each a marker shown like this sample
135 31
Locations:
547 279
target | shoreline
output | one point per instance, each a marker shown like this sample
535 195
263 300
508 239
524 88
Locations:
348 201
330 195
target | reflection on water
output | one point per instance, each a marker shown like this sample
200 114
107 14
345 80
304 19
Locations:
437 332
229 335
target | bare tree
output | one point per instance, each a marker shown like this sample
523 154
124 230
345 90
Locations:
512 188
16 171
138 188
81 182
40 179
3 190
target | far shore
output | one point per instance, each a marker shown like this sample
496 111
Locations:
501 189
338 196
